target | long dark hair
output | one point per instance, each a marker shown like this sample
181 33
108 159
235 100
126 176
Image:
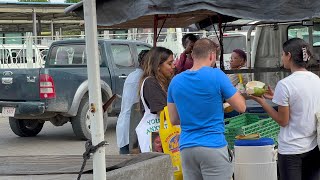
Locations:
154 58
300 51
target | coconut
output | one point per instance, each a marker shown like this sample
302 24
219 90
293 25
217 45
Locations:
256 88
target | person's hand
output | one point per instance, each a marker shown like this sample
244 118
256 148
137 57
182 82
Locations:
258 99
269 93
245 95
189 48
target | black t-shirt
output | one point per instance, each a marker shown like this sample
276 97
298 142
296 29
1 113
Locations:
154 96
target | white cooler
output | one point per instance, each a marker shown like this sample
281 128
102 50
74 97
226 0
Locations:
255 160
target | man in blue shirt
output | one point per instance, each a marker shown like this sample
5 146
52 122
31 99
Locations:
195 101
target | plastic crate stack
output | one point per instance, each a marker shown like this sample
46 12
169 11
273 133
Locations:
247 123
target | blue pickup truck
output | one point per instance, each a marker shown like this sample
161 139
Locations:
59 92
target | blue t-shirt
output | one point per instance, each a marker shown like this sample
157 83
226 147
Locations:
198 96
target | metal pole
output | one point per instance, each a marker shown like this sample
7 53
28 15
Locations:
39 26
221 42
34 20
248 45
155 30
60 31
52 30
249 49
39 29
96 115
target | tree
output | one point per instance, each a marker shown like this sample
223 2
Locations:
33 0
72 1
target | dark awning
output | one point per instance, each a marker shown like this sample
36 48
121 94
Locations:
140 13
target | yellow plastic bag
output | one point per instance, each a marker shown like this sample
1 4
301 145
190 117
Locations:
170 142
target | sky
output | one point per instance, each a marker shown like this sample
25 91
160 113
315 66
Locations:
54 1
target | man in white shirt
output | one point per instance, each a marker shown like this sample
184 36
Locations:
130 96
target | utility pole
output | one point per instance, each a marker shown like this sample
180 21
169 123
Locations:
96 114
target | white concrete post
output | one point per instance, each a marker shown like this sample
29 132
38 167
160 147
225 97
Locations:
82 35
129 34
106 34
52 30
57 35
96 116
60 31
29 50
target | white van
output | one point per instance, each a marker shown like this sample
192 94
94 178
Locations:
15 56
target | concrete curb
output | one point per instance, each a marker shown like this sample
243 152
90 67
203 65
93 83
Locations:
158 168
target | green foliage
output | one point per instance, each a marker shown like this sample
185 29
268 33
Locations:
33 0
72 1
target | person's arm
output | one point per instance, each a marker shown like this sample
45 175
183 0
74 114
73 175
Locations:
181 62
173 114
280 97
281 116
229 92
237 102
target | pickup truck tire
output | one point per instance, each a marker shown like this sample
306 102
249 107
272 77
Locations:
81 123
25 128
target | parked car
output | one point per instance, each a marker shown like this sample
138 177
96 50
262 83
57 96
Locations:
59 92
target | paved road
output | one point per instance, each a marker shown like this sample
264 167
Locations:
50 141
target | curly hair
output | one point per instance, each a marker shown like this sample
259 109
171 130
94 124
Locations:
189 36
241 53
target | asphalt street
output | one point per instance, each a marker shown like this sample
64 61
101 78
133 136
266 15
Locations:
51 140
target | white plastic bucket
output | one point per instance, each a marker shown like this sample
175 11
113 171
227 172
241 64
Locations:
254 154
255 171
255 163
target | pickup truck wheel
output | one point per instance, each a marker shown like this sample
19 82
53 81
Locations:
81 123
25 128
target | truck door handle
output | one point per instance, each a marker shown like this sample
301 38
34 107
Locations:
123 76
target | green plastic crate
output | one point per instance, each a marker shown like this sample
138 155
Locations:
250 124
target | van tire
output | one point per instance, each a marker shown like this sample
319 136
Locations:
25 127
80 125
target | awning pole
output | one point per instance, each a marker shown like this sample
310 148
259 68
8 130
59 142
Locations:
221 42
96 115
155 30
